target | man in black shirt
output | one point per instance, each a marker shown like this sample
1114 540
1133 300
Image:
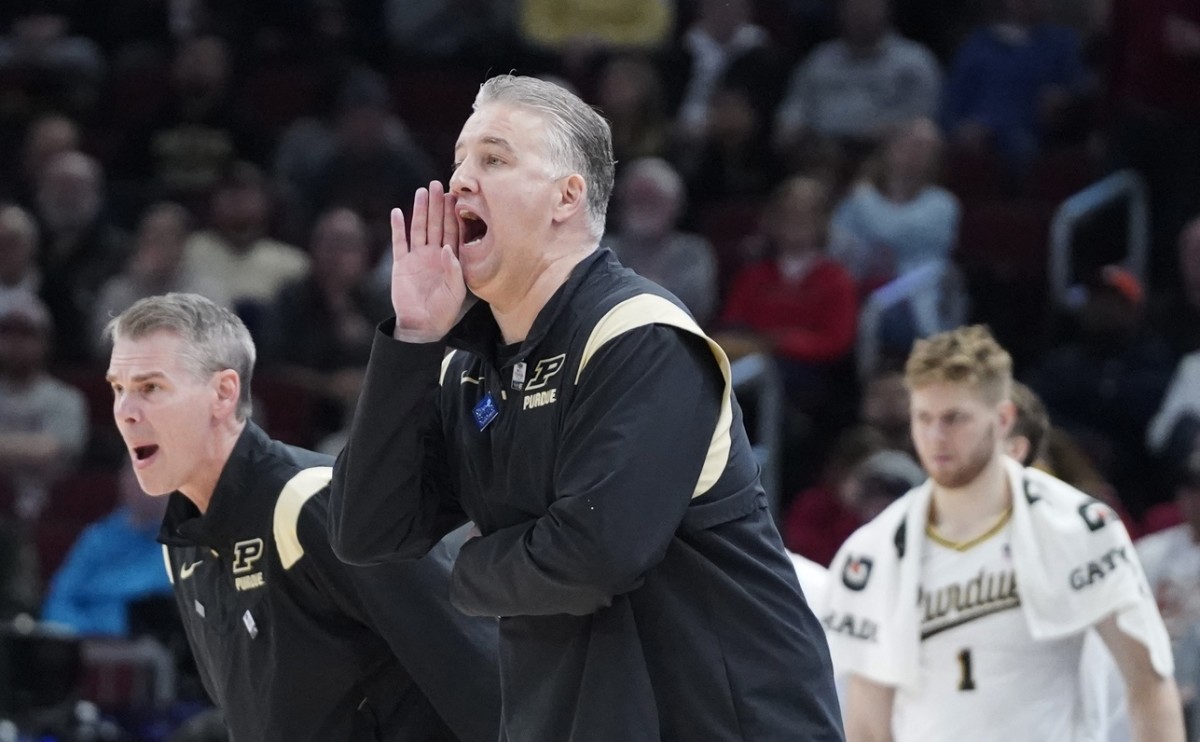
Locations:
290 643
589 428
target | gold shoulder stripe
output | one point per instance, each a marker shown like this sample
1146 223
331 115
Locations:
648 309
167 564
445 366
291 501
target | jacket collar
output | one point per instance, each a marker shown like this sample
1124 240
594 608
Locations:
478 333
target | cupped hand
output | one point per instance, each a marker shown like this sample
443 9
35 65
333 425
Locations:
429 294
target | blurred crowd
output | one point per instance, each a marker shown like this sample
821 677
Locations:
820 181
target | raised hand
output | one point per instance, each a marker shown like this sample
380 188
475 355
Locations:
428 290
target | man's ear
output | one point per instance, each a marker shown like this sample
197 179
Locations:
1007 412
572 197
229 391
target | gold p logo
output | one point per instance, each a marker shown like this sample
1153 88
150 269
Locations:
545 370
245 554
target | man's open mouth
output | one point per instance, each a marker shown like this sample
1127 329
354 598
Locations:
141 453
474 228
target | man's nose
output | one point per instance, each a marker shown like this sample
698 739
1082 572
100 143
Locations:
462 180
124 409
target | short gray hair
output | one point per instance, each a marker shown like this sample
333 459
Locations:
214 338
579 139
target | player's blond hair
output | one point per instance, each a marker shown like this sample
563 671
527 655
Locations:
966 355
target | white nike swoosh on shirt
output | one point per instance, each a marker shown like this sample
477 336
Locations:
186 570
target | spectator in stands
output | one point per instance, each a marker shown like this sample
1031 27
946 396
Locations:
798 304
372 163
43 422
732 159
320 326
1104 385
650 200
852 91
817 520
113 563
630 93
237 251
196 134
156 267
1012 82
81 248
1171 559
899 218
885 407
1175 315
19 238
46 136
722 38
865 490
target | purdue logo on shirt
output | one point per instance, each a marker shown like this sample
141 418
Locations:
856 572
245 554
546 369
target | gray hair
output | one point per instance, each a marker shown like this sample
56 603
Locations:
578 140
214 338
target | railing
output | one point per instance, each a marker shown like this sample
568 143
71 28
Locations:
756 378
1122 185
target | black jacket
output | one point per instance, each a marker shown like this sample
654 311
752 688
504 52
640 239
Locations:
292 644
643 589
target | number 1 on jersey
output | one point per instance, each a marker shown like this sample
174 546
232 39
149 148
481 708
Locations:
966 679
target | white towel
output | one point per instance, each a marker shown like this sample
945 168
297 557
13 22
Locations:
1073 559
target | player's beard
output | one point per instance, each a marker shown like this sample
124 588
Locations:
977 459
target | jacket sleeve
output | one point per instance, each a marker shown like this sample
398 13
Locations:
390 496
634 443
407 603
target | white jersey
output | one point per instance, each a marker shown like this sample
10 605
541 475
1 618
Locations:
983 676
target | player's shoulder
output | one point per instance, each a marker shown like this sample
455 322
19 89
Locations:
301 514
1049 493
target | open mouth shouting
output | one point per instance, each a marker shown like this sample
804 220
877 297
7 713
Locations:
473 227
143 455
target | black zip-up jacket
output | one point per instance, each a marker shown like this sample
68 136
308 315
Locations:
643 589
294 645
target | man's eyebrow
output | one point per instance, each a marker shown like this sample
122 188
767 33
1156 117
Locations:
499 142
495 141
138 378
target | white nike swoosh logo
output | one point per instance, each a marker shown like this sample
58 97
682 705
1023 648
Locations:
186 570
470 380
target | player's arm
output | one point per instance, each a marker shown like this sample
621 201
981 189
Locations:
389 498
634 442
868 712
1155 710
